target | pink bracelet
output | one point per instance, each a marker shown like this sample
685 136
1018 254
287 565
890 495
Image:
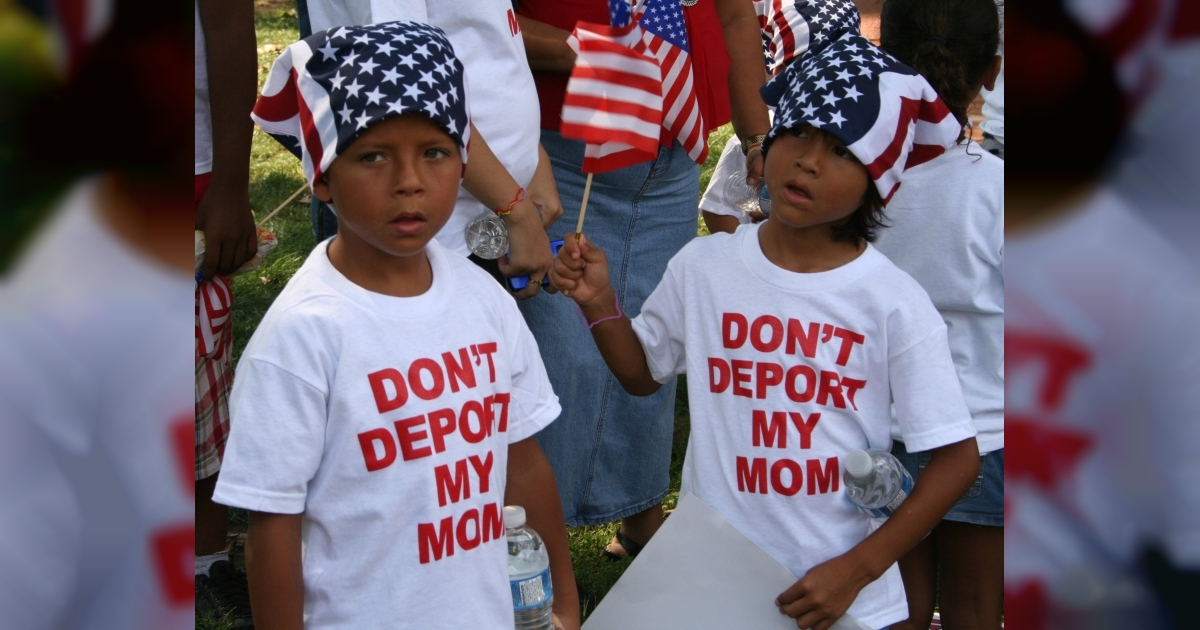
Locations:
619 314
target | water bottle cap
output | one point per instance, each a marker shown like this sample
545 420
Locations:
858 463
514 516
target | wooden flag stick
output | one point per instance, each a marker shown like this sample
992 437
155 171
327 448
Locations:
283 205
587 190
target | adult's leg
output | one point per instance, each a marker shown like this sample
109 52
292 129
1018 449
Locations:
919 570
972 587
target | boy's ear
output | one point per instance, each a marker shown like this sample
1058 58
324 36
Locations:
993 71
321 189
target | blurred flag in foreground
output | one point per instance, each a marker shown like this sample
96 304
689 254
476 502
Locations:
631 81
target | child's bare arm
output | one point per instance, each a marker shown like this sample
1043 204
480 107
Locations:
581 271
824 594
531 485
274 572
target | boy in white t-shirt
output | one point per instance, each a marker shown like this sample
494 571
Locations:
386 406
797 336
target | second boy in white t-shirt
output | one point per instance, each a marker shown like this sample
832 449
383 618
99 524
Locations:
797 336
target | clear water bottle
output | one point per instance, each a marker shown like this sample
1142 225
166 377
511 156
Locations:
487 236
876 482
739 194
528 573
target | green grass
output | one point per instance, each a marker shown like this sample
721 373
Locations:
274 175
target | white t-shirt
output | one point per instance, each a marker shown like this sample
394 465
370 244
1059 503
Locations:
98 393
1103 411
788 373
713 200
947 232
386 422
503 100
204 146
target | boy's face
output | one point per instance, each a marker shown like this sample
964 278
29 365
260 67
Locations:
813 178
395 186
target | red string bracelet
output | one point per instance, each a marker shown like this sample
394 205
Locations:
619 314
512 204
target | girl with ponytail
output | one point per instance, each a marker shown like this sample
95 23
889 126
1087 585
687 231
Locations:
948 233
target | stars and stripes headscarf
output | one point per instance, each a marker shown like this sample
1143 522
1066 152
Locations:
326 89
791 28
886 113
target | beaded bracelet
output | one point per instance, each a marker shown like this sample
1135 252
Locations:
619 314
520 196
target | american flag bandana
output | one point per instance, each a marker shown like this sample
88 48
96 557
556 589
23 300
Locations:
326 89
793 27
886 113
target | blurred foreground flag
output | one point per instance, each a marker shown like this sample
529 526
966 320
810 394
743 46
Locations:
631 81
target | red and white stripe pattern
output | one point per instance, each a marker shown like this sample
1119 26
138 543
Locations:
614 98
913 127
665 38
631 81
792 27
325 90
889 116
214 299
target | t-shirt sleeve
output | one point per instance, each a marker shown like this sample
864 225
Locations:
533 404
732 160
929 401
660 329
277 436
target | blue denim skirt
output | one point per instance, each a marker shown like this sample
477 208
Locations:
611 451
983 503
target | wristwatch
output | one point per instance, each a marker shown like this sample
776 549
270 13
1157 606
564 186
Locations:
751 141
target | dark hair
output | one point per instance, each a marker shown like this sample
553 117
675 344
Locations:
950 42
864 222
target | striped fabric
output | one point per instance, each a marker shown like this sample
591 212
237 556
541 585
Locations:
326 89
631 81
793 27
614 98
889 116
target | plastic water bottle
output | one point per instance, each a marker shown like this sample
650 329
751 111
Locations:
739 194
487 236
876 482
528 573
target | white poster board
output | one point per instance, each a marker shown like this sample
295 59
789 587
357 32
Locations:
699 572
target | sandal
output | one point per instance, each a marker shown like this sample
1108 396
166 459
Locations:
622 546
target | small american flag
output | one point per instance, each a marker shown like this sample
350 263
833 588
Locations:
614 99
792 27
665 37
630 81
886 113
326 89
